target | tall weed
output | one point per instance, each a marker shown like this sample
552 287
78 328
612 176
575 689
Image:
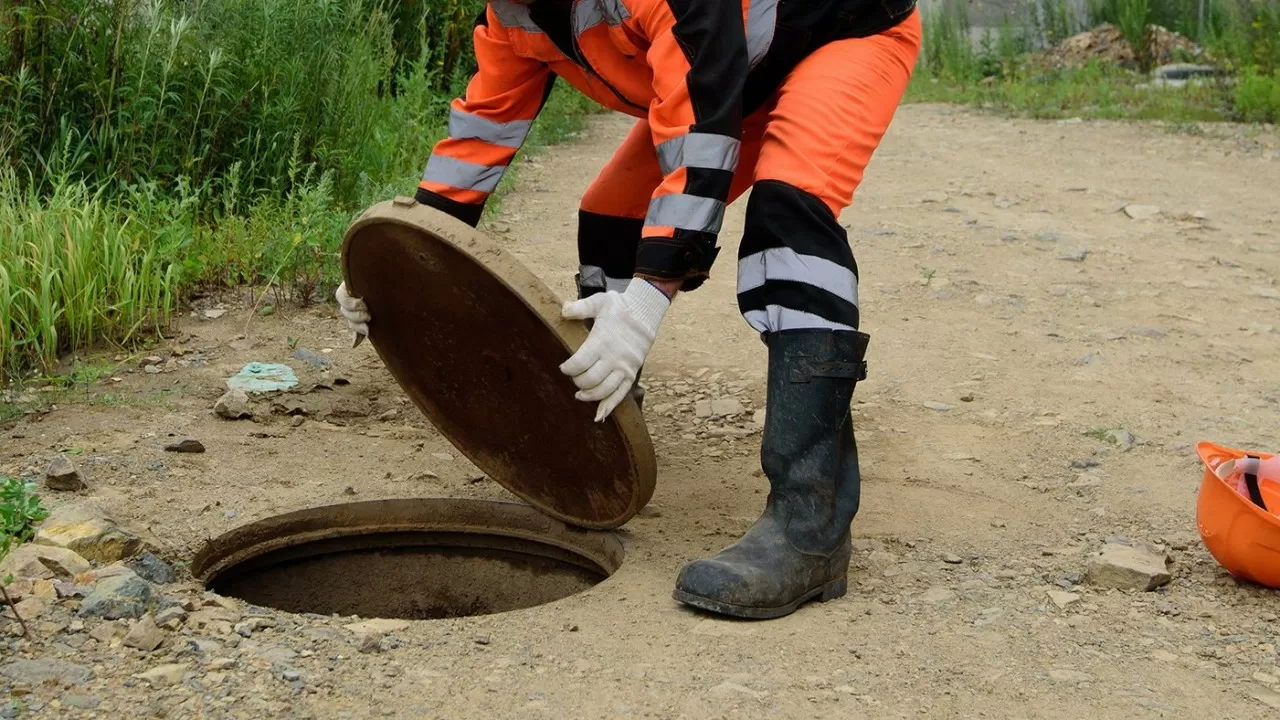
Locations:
171 91
74 270
1132 21
223 143
948 52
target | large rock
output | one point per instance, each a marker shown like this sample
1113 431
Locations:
726 406
42 562
171 618
63 475
185 445
152 569
1122 567
40 672
90 532
123 595
144 635
218 620
234 405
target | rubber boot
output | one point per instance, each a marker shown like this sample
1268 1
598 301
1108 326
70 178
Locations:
586 290
800 547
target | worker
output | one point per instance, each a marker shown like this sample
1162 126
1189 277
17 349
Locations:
785 98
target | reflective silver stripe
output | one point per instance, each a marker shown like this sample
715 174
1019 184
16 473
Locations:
465 126
686 212
786 264
514 15
593 277
462 175
776 318
762 21
586 15
590 13
699 150
615 11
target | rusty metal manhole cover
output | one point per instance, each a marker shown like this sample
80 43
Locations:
476 340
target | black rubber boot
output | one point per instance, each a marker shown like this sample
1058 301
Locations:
587 290
799 549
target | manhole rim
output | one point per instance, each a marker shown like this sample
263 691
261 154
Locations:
502 518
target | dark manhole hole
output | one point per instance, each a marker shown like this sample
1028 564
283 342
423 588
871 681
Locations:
413 559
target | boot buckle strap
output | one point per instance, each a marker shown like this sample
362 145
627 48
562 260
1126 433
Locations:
806 370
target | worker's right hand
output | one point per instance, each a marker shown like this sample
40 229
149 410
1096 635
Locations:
353 310
625 326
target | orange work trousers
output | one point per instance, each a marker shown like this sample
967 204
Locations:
803 155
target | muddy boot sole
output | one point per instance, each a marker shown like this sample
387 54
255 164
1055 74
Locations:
833 590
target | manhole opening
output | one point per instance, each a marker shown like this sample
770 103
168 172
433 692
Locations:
412 559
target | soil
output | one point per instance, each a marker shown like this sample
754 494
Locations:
1041 366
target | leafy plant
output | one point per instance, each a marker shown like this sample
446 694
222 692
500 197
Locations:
20 511
1258 97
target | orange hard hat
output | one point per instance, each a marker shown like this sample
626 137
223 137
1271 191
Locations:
1238 512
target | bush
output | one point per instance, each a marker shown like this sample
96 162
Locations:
125 92
149 147
1252 39
1258 97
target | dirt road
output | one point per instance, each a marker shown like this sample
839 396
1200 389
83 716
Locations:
1041 367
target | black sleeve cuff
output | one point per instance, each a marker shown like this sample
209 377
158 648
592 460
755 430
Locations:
469 214
687 257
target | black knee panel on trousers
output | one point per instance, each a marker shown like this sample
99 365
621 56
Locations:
806 252
609 243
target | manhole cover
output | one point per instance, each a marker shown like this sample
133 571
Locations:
476 341
412 559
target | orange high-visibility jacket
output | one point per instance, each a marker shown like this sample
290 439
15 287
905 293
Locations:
692 68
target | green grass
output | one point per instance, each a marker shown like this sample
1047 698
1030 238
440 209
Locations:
74 268
1241 36
150 150
1104 434
220 99
1093 92
1257 97
84 268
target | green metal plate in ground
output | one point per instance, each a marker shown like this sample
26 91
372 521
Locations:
476 340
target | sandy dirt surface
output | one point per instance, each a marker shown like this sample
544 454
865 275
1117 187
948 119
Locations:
1041 367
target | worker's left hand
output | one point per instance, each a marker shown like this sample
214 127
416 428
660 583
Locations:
354 311
626 324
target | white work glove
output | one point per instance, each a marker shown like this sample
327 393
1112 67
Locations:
354 311
605 367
